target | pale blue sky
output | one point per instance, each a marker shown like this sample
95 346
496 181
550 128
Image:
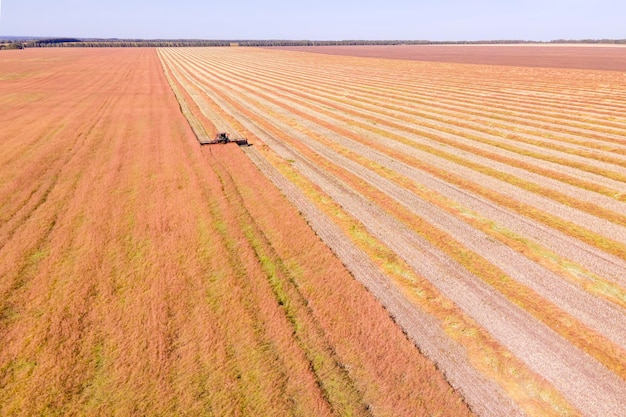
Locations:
320 20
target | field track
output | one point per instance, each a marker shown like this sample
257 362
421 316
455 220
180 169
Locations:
486 202
141 274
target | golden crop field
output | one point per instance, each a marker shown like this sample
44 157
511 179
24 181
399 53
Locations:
482 205
403 237
143 275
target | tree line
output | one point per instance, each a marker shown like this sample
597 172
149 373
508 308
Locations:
93 43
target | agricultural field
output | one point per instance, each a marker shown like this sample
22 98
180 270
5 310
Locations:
482 205
142 274
573 56
439 234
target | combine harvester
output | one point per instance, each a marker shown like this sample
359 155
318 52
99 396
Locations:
223 138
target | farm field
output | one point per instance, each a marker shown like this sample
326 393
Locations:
482 205
141 274
581 56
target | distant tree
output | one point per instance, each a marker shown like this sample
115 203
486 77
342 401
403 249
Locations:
12 45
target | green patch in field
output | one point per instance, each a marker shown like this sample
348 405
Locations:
12 76
30 266
96 390
20 369
13 375
11 100
135 249
335 383
220 226
9 314
295 269
37 256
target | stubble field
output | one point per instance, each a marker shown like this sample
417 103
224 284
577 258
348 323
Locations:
609 57
492 197
470 254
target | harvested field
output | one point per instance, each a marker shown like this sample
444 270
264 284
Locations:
593 57
482 205
141 274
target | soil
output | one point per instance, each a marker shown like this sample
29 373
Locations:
553 56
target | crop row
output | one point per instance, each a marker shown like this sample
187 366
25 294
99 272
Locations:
398 148
141 274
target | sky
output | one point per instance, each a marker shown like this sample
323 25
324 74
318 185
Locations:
444 20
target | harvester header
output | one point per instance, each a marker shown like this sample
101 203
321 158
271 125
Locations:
223 138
